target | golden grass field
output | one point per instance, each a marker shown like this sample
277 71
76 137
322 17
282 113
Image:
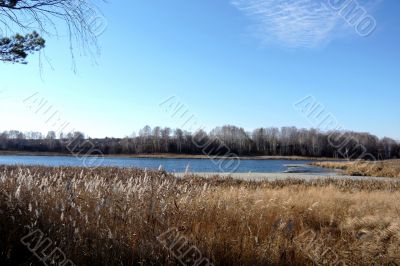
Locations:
389 168
111 216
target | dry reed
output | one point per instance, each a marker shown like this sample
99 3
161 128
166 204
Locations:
112 216
389 168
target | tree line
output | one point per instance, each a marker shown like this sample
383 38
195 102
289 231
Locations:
285 141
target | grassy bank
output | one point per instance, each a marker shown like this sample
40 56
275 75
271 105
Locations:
111 216
390 168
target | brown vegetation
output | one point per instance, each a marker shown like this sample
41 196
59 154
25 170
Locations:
111 216
389 168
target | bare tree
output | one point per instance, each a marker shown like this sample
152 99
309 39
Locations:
263 141
179 139
42 16
165 133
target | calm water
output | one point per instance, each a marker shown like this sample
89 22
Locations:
170 165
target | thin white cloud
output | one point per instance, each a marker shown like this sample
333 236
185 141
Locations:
292 23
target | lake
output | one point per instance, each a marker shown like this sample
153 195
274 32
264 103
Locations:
170 164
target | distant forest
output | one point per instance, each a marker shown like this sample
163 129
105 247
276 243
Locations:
224 141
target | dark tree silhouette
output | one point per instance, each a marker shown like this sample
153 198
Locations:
286 141
17 48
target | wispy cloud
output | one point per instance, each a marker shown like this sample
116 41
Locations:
292 23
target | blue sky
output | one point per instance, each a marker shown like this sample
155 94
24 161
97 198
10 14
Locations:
230 62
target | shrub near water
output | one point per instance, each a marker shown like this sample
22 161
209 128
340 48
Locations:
111 216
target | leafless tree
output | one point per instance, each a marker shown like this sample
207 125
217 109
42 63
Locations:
262 141
43 16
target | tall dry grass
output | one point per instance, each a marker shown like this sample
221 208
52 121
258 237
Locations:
389 168
111 216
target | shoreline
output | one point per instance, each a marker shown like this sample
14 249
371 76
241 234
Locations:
173 156
280 176
387 168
